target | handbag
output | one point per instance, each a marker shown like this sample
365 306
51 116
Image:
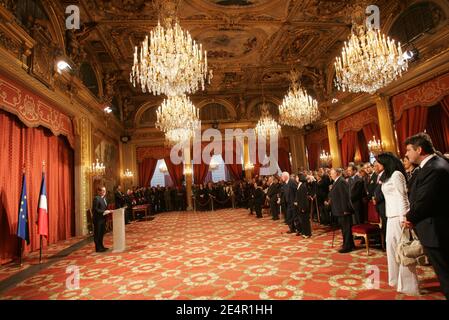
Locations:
409 250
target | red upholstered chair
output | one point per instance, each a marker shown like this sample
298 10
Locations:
372 228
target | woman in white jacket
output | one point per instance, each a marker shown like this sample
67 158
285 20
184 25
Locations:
397 205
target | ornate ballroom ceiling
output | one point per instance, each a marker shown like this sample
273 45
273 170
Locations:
252 45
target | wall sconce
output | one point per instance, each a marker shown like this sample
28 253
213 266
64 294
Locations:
97 169
249 166
325 158
375 146
128 174
188 171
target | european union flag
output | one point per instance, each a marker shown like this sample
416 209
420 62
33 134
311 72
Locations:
22 226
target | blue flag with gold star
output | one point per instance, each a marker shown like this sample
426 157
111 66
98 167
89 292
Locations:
22 225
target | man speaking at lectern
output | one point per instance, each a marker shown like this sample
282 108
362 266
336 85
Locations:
99 207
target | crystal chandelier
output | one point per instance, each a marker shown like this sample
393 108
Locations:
369 61
178 118
375 146
170 62
298 109
267 126
97 169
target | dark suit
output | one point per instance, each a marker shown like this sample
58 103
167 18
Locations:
290 202
322 195
429 213
259 199
283 196
303 210
273 194
380 205
356 193
341 208
99 206
371 185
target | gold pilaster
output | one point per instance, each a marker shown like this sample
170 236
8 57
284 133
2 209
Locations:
386 127
246 160
188 177
334 144
82 181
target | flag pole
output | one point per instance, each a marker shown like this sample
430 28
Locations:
40 250
20 239
40 236
20 252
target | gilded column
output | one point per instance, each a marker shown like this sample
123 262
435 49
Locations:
188 176
386 127
334 144
82 181
246 160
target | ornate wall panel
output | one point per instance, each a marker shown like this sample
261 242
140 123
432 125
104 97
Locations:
33 110
357 121
317 136
426 94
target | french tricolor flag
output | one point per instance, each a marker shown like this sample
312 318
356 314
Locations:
42 220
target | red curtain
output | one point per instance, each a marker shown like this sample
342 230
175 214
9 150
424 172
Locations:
235 169
313 154
371 130
348 147
412 121
445 105
257 165
362 144
284 155
325 145
20 144
438 128
200 172
176 172
146 171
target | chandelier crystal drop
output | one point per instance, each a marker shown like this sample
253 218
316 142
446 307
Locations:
369 61
267 126
178 118
298 109
170 62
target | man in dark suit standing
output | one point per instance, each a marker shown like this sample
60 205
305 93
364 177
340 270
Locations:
99 207
273 196
341 208
302 204
323 184
429 213
379 200
289 190
356 194
371 181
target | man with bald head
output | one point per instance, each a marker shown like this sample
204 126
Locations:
290 187
340 203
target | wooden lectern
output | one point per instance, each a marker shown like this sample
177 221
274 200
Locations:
118 230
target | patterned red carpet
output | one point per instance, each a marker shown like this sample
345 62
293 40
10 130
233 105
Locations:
226 254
